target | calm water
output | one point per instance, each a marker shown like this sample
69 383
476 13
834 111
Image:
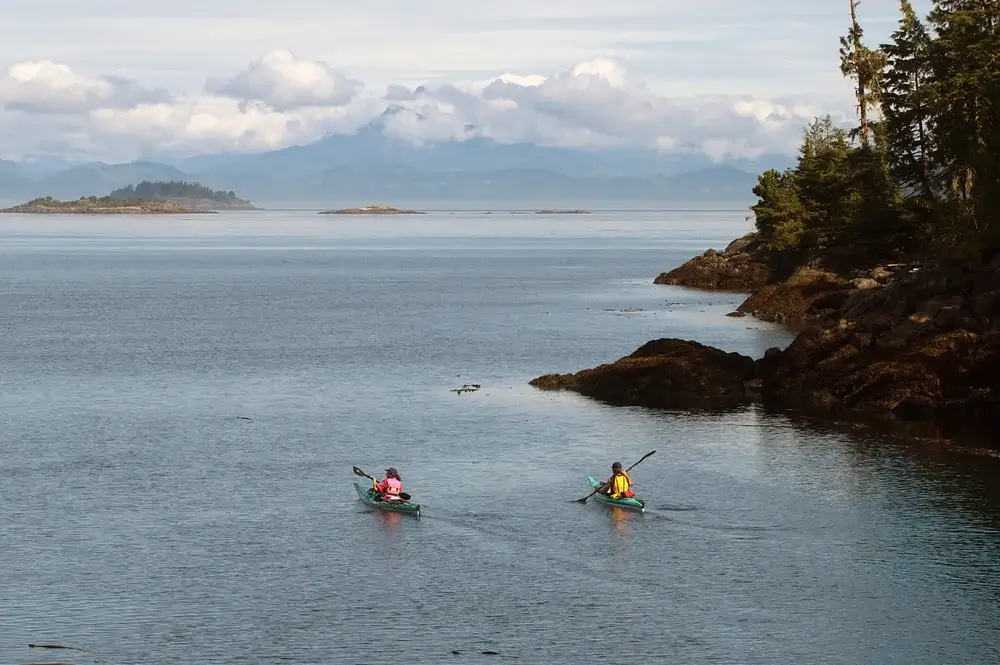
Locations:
182 401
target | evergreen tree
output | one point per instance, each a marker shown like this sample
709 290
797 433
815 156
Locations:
863 66
906 105
822 178
779 215
925 175
965 66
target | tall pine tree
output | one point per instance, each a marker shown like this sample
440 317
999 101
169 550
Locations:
906 105
965 64
863 66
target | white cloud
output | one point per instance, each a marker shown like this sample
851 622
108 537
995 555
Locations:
47 87
281 100
282 81
600 103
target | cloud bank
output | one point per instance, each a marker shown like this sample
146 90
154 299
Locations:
281 99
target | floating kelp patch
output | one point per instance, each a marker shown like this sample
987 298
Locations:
467 388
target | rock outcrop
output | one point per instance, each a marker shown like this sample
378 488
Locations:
663 373
372 210
743 266
92 205
919 345
212 204
925 347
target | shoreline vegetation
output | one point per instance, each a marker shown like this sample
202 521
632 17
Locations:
372 210
881 247
191 195
146 198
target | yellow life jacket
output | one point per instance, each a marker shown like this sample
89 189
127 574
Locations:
620 485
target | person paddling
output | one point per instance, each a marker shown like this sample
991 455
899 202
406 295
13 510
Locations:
619 484
391 486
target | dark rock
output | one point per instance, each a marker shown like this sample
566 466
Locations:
742 266
806 295
663 373
920 345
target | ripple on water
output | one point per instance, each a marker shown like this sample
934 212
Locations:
143 519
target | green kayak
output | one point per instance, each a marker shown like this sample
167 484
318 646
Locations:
370 498
629 503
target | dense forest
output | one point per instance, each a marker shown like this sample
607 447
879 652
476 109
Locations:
920 172
173 189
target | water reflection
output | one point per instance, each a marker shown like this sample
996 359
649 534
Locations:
620 519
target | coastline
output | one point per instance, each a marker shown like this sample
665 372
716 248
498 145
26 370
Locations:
903 346
103 206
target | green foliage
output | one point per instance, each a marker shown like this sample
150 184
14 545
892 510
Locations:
864 67
173 189
925 174
780 214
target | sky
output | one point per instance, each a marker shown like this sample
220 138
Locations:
119 79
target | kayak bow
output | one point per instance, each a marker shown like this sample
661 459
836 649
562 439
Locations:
370 498
631 503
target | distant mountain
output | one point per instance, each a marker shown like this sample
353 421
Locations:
93 179
371 167
370 147
12 178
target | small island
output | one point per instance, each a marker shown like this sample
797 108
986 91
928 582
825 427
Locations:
191 195
372 210
105 205
563 212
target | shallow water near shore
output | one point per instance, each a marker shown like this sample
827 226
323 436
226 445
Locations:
183 398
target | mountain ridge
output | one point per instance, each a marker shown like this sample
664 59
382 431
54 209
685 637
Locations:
372 164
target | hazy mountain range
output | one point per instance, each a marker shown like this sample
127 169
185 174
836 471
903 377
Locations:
369 166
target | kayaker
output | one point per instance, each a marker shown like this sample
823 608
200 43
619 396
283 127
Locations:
619 484
391 485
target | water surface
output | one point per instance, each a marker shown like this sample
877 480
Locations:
182 400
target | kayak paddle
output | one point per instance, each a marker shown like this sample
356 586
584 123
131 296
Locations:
358 472
584 499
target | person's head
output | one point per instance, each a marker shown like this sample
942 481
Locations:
392 473
616 468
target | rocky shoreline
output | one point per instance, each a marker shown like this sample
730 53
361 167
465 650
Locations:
103 206
901 344
211 205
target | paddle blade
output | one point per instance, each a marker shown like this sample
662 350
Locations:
359 472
